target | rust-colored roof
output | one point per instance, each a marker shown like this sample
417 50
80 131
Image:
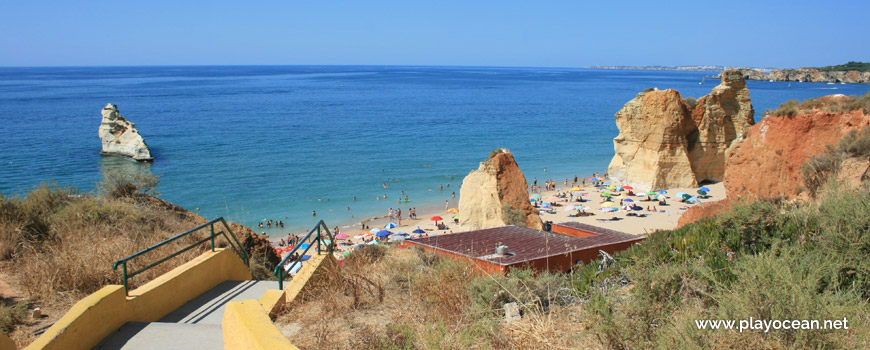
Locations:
597 230
525 244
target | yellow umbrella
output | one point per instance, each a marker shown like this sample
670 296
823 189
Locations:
453 210
606 204
575 188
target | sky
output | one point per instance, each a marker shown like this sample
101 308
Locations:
444 33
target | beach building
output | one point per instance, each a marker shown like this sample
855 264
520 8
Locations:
499 249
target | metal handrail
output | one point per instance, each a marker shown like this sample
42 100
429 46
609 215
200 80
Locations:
228 234
279 270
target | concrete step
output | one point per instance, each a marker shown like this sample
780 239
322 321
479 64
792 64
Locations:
208 308
163 336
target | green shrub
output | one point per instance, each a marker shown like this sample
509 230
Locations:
120 184
513 216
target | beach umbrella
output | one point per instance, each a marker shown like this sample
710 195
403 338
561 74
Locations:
705 189
605 194
693 199
436 218
546 204
681 194
593 179
360 236
576 194
372 242
611 187
575 188
453 210
532 200
686 196
628 200
663 192
304 246
384 233
606 184
608 209
628 187
702 192
455 217
606 204
660 197
391 225
341 235
536 196
650 193
418 230
375 230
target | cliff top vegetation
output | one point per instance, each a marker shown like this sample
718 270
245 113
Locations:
852 65
843 104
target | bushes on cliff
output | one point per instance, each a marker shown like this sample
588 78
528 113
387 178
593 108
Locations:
819 169
765 260
839 105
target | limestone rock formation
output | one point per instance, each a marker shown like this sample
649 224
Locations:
766 163
120 137
496 194
665 141
719 118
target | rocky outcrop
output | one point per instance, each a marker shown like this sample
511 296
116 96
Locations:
496 194
666 142
120 137
809 75
766 163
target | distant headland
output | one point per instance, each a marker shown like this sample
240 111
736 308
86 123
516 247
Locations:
849 73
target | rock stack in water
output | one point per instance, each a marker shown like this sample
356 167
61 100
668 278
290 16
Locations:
496 194
665 141
120 137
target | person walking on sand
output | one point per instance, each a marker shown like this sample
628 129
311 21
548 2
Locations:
446 204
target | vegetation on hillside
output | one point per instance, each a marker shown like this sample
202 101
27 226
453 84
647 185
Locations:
58 245
816 171
852 65
846 104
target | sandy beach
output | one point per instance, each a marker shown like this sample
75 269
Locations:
563 204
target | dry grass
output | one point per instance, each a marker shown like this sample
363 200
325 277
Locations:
387 298
58 245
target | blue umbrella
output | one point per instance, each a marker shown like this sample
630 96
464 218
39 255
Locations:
681 194
606 184
384 233
375 230
304 246
391 225
705 189
693 199
419 231
305 257
663 192
593 179
628 200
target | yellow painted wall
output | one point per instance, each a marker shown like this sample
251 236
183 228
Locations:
101 313
247 326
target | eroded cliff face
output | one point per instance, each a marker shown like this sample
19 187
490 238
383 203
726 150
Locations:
665 142
766 163
496 194
120 137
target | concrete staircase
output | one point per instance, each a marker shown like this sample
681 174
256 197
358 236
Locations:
195 325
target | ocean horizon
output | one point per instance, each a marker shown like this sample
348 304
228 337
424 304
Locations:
252 143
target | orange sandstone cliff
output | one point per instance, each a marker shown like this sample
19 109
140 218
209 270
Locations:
496 194
665 141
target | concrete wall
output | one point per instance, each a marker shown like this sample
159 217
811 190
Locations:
570 231
101 313
246 325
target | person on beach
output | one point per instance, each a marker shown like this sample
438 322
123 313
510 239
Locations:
314 213
406 199
535 182
391 213
446 204
454 195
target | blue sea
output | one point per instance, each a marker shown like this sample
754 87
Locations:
279 142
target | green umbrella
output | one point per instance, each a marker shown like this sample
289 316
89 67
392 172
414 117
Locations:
455 217
702 192
687 196
650 193
606 194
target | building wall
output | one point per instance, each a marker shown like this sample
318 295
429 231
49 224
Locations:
570 231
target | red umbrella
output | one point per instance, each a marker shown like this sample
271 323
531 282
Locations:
436 218
628 187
